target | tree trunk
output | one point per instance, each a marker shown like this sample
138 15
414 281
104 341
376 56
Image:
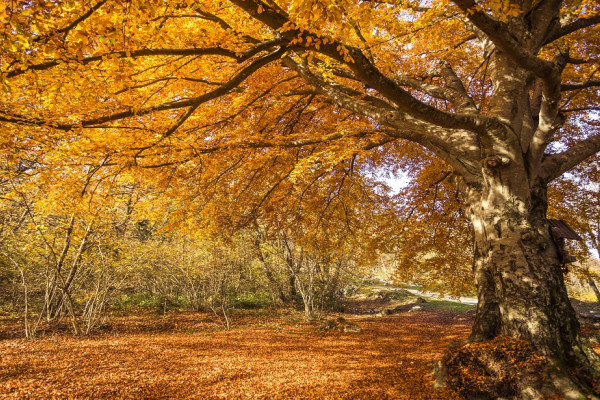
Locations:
274 283
520 284
592 284
292 286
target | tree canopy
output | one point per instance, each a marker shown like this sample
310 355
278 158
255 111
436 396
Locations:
294 96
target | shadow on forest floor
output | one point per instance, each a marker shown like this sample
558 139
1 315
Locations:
265 356
188 355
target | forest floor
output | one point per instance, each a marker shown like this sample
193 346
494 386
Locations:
264 356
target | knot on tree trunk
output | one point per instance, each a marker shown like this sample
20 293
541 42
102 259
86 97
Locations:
527 235
495 162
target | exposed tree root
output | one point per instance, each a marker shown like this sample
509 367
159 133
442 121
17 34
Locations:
507 368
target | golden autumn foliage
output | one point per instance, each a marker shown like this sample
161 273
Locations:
183 101
257 135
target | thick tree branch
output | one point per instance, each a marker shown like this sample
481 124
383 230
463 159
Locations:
457 149
418 84
557 164
374 101
542 18
499 33
364 70
548 117
465 165
426 88
574 26
213 51
459 96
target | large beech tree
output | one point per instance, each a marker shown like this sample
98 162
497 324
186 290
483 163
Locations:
263 106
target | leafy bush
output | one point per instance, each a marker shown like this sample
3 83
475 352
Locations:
126 302
252 300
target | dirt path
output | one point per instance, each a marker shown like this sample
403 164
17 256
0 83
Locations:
472 301
432 295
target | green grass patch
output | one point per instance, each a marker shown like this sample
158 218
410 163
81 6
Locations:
445 305
410 286
394 295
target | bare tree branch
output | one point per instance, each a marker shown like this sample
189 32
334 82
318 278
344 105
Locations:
580 61
583 85
580 109
72 25
209 51
195 101
169 78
